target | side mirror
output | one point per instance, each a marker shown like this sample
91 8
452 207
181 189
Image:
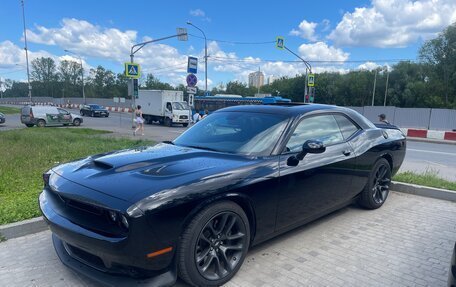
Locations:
310 146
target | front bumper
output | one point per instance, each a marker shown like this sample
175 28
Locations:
104 278
104 257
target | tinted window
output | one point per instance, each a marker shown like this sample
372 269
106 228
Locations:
236 132
323 128
346 126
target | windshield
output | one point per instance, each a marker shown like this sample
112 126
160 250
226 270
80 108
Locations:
96 107
180 106
235 132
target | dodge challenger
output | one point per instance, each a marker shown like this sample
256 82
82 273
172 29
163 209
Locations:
194 206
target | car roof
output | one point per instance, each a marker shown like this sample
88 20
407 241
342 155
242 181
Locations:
290 109
297 109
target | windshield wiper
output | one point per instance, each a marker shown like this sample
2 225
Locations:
202 147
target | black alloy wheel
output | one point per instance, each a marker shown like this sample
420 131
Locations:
214 245
377 189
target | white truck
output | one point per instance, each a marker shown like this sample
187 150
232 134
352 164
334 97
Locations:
163 106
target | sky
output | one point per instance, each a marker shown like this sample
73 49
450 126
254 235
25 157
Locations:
331 35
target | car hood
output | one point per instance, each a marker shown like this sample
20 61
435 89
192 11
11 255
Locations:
134 174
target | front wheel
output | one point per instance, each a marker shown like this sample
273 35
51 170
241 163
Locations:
41 123
214 245
377 188
77 122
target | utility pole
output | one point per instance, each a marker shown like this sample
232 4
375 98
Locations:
26 55
386 88
373 91
82 74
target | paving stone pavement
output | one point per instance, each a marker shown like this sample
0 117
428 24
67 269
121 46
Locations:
407 242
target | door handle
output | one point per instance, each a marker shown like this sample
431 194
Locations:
346 152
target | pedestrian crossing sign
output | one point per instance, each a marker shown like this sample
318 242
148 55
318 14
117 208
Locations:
132 70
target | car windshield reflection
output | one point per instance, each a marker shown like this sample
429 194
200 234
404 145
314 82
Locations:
235 132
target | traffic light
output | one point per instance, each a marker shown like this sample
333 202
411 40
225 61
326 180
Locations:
135 88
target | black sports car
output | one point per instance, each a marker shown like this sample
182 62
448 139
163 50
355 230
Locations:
195 205
94 111
2 118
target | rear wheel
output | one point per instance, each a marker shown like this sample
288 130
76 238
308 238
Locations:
77 122
81 112
377 189
41 123
168 122
214 245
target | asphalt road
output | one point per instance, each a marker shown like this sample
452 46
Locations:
420 157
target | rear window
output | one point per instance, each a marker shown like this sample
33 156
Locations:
25 111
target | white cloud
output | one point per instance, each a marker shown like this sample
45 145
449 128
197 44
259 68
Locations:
86 39
320 51
369 66
13 57
197 13
200 13
394 23
305 30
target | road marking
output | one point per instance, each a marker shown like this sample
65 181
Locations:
431 162
429 151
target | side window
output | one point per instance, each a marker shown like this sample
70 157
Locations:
323 128
62 112
347 127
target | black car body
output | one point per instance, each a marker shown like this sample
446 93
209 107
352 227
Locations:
452 273
2 118
94 111
239 177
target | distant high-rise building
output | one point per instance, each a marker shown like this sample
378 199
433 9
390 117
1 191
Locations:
270 80
256 79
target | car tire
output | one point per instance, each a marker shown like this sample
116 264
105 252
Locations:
168 122
185 125
29 125
81 112
77 122
41 123
92 114
214 245
377 188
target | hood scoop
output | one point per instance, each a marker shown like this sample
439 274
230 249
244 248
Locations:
102 165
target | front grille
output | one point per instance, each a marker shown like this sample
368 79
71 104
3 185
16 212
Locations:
183 117
89 216
98 263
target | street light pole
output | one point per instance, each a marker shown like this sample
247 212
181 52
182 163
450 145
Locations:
308 67
82 74
181 35
26 55
205 53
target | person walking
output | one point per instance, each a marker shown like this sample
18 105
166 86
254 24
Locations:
196 117
382 119
139 120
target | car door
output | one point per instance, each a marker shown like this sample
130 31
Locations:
320 182
64 117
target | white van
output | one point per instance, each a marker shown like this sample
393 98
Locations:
42 116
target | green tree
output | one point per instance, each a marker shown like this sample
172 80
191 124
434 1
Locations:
44 75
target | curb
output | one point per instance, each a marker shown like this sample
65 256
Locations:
437 193
22 228
428 140
38 224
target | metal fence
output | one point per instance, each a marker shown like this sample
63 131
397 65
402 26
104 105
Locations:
420 118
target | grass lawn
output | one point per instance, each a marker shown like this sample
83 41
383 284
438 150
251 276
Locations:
26 153
9 110
427 178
